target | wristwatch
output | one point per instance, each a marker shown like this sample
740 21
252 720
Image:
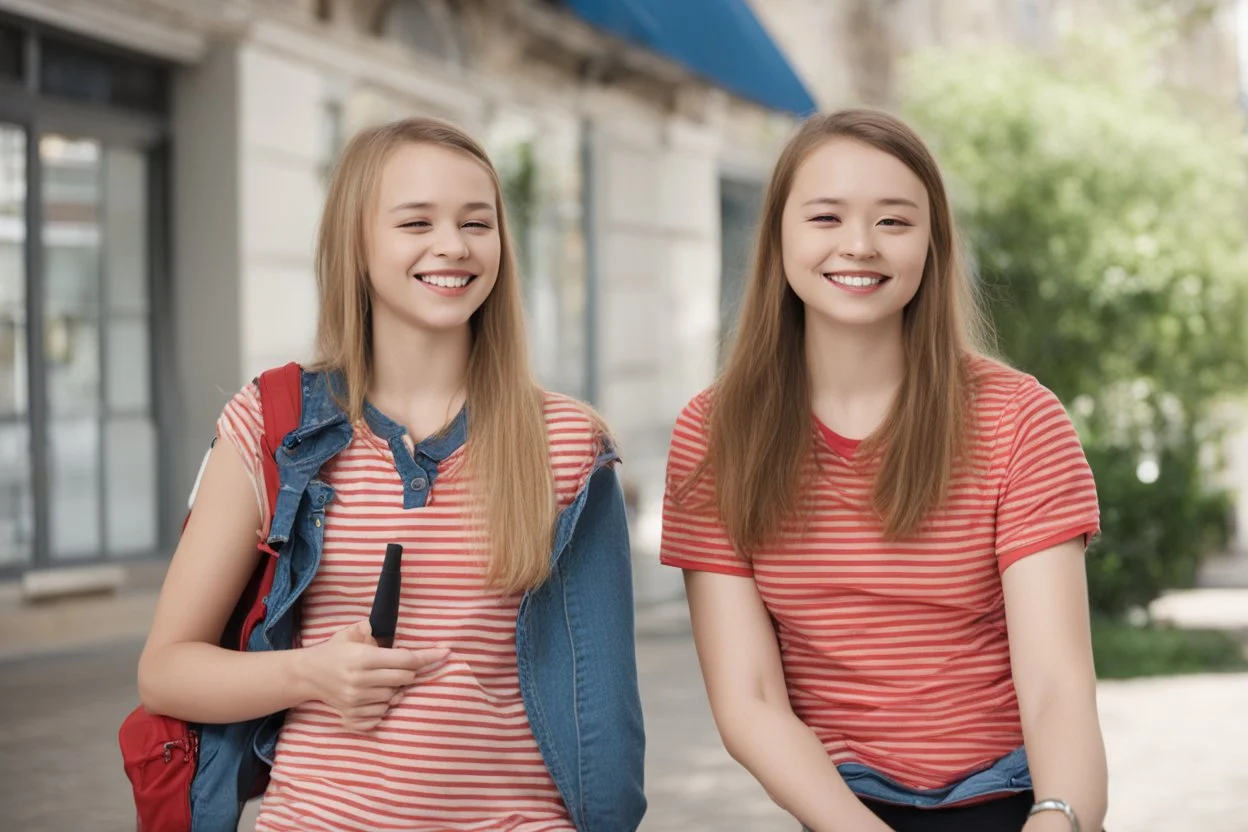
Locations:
1054 805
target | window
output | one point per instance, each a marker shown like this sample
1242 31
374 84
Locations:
12 54
739 205
96 77
424 27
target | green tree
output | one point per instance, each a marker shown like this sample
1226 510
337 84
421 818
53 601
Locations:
1107 233
518 175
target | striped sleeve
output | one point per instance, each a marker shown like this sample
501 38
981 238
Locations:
1048 495
242 425
693 535
577 436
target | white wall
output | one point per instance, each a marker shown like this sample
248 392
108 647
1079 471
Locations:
282 113
206 184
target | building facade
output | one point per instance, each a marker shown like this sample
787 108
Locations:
162 168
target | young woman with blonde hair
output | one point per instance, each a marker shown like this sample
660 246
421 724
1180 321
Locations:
509 699
882 529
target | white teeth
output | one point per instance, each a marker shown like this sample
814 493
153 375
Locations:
444 281
856 281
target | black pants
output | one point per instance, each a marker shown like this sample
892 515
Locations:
1003 814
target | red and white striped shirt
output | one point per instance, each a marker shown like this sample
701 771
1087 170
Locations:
457 753
896 653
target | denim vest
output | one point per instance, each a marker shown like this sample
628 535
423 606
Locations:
575 648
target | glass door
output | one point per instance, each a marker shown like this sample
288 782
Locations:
129 459
100 437
72 202
17 521
83 139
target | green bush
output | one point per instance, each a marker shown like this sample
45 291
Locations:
1153 535
1124 652
1106 230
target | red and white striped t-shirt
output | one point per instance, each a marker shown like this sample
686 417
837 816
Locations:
895 653
457 753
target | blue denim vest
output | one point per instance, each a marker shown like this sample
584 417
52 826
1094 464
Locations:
574 634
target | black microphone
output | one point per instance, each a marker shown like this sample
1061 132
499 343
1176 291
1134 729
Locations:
385 615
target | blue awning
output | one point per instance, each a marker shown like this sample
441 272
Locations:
720 40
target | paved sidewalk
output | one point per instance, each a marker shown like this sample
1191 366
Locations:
35 629
1178 753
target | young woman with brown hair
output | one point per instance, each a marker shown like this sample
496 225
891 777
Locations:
882 529
509 699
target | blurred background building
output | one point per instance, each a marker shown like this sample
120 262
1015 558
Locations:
163 165
162 169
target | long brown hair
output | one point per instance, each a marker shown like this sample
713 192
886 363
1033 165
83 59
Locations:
507 440
760 421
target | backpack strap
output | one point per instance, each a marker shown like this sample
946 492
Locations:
281 399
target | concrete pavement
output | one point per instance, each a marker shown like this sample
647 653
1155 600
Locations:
1178 753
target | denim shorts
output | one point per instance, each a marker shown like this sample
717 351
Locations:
1008 775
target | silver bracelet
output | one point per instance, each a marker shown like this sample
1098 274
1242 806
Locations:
1053 805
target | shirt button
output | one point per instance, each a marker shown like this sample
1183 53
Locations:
317 522
419 484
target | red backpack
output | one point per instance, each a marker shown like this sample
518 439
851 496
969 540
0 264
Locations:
160 753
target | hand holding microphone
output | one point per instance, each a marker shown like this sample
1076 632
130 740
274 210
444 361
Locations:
358 672
384 618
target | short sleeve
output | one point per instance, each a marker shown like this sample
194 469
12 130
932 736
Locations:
577 438
693 535
241 425
1047 495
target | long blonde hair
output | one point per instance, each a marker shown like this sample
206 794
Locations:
760 420
507 439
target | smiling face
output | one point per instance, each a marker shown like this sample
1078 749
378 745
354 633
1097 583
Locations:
855 234
433 240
